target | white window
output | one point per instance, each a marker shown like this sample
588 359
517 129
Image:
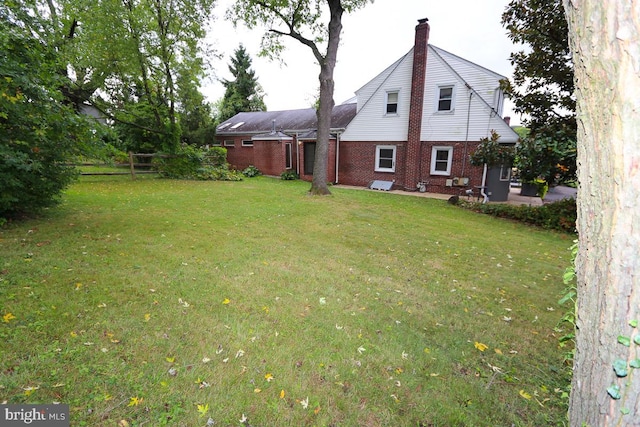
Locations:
229 143
441 159
445 98
385 158
505 173
247 143
392 103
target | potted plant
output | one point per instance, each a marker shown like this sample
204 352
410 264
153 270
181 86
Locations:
492 153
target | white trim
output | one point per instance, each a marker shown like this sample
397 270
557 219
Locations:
508 178
247 142
386 103
453 98
434 152
377 167
229 143
288 161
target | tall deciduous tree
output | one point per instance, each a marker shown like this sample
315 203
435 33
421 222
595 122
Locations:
243 93
38 131
542 86
605 40
295 18
138 56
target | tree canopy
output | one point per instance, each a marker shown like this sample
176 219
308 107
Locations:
39 130
243 93
316 24
542 86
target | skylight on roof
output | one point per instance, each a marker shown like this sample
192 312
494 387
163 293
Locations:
224 125
237 125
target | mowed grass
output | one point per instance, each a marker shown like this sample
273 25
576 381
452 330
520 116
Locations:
157 302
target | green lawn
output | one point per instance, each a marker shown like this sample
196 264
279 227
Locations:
156 302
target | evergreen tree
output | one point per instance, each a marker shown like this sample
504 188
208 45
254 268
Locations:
542 87
244 93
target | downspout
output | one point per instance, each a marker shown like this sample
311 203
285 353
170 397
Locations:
337 154
483 185
466 137
297 155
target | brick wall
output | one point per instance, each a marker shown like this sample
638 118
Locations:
357 164
238 157
331 163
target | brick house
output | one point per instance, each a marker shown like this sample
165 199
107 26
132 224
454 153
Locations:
411 127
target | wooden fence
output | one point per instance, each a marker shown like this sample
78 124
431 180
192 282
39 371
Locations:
132 165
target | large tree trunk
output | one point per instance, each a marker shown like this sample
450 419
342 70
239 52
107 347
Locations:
605 40
327 65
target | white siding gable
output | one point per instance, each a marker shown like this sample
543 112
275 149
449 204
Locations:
476 103
372 123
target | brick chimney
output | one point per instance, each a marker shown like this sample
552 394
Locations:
418 77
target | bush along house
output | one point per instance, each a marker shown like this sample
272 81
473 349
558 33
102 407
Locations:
412 127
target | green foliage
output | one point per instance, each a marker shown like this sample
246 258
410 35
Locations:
289 175
243 93
194 163
546 157
492 153
251 171
543 87
38 132
560 216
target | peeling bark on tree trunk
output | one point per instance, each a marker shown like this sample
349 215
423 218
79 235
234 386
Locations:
327 66
605 40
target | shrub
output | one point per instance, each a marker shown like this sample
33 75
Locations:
194 163
251 172
560 216
289 175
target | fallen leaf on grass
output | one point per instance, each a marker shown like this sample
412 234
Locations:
524 394
305 403
268 377
135 401
226 301
8 317
480 346
203 409
282 394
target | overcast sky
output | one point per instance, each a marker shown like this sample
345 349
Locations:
372 39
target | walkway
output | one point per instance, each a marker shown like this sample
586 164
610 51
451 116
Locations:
514 196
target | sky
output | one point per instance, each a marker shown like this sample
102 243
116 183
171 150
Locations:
372 38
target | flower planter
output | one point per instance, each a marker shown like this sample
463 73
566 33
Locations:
529 189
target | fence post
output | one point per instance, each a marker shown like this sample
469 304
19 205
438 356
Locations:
133 171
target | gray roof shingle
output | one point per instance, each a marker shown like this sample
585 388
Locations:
258 122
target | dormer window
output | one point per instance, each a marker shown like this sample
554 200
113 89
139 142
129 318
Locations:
445 98
392 103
